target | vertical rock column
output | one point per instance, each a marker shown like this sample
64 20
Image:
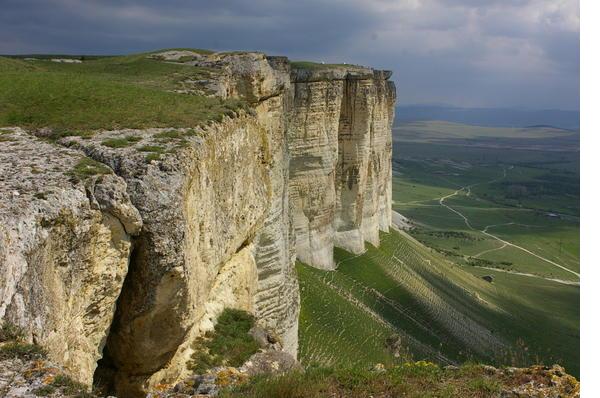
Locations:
313 146
377 204
386 95
340 143
352 183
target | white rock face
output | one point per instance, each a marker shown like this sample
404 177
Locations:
63 254
201 205
340 147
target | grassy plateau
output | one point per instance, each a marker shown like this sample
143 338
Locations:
133 91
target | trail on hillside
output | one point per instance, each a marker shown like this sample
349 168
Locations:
563 281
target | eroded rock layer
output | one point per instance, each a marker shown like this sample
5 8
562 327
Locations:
129 256
340 148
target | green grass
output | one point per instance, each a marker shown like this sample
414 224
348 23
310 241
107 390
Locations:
17 349
174 135
328 334
10 332
120 142
123 92
151 148
152 156
229 344
13 346
434 159
420 379
44 391
70 387
87 167
425 173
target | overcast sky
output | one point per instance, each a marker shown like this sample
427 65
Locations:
488 53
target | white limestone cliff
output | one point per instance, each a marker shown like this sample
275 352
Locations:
128 264
340 148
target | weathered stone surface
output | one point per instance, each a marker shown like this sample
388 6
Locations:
63 257
340 171
250 76
363 180
270 362
277 301
313 146
202 203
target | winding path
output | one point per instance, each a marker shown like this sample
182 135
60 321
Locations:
484 231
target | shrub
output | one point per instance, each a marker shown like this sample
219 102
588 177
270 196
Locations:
10 332
229 344
21 350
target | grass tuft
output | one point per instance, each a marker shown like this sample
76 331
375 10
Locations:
44 391
117 143
69 386
21 350
87 167
229 344
151 148
152 156
10 332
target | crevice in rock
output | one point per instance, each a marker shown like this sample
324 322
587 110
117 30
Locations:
104 376
108 371
104 381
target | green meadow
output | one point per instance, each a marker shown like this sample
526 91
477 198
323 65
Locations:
133 91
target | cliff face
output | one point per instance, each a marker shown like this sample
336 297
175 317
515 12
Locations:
340 148
129 264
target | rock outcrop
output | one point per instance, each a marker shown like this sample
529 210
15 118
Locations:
65 240
124 254
340 148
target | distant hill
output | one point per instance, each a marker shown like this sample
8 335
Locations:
493 117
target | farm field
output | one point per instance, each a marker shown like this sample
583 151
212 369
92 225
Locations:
476 211
516 210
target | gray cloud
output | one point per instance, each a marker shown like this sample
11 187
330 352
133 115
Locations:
462 52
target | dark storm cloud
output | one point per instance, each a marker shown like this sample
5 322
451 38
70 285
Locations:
463 52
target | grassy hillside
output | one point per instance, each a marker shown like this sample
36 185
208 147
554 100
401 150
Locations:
104 93
441 312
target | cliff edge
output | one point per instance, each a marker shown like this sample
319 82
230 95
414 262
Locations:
123 237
